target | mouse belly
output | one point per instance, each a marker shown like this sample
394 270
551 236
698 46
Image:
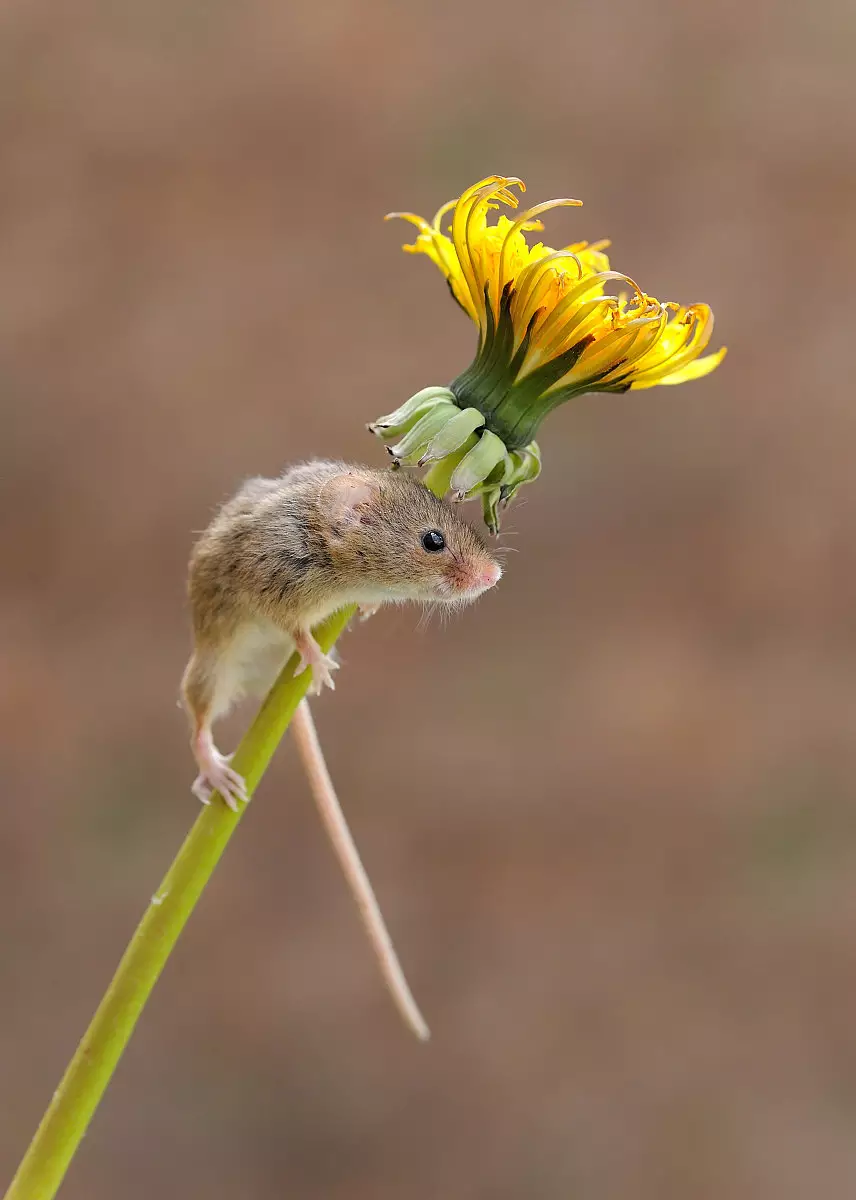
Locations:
254 658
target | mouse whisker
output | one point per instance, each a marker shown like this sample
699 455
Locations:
425 619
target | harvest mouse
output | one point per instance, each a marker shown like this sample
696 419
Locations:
278 558
285 553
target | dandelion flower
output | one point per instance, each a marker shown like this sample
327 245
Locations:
552 324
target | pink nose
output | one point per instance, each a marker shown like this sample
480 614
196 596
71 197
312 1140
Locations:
491 574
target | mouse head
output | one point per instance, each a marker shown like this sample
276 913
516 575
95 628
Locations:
389 529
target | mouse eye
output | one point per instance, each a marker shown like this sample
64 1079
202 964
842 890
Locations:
433 540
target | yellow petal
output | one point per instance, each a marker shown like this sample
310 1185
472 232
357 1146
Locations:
693 370
559 297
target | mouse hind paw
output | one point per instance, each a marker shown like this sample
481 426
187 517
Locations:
216 775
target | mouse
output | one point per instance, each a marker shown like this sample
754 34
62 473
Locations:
285 553
279 557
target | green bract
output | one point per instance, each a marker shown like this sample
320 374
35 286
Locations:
465 458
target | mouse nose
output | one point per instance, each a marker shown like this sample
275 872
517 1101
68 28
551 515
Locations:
491 574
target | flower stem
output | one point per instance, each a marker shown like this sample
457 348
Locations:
44 1165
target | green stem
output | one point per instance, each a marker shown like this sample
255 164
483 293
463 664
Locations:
44 1165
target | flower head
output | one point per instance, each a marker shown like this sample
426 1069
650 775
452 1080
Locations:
552 324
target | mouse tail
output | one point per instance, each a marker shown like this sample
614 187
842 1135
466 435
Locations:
334 822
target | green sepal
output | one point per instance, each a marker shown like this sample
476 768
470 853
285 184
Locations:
493 479
453 435
439 475
490 506
415 441
464 457
404 418
524 466
488 452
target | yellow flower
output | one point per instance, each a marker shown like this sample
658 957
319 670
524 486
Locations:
552 324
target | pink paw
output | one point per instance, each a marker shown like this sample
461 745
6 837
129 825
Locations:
218 776
322 665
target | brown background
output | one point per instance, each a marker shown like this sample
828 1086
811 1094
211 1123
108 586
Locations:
610 811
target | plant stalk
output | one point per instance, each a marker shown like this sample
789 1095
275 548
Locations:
74 1102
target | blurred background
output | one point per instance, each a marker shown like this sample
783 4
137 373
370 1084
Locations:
609 812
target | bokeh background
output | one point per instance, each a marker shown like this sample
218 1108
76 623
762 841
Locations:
609 812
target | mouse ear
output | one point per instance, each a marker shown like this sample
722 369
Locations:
346 501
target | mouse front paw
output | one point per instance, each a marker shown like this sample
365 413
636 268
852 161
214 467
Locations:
311 655
321 673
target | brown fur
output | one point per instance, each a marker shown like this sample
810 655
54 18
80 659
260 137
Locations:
325 534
